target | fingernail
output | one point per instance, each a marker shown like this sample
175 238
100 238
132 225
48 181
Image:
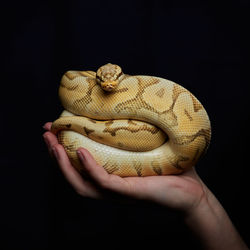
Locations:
80 155
55 153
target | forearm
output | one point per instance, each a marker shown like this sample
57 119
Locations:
211 224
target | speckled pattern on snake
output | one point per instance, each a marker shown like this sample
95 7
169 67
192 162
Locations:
132 125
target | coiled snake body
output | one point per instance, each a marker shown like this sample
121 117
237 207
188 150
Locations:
132 125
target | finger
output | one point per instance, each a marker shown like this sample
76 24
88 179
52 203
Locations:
80 185
47 126
50 140
100 175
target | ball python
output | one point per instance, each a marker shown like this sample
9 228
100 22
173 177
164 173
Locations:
133 125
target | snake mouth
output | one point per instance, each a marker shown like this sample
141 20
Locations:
109 85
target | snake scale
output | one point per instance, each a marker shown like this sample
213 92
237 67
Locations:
132 125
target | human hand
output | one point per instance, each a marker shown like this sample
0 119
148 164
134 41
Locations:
204 214
182 192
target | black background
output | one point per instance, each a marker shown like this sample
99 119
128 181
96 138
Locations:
203 46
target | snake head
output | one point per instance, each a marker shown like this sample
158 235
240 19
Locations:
108 76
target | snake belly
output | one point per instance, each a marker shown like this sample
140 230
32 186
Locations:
171 129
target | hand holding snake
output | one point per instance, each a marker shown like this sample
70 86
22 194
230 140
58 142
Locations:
132 125
181 192
185 192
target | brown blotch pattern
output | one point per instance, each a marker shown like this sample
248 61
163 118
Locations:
176 162
188 115
138 168
196 104
120 144
112 131
69 147
160 92
88 131
120 90
110 168
138 101
186 139
157 169
86 99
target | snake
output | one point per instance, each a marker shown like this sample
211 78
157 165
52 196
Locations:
133 125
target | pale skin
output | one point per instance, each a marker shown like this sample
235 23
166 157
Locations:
202 212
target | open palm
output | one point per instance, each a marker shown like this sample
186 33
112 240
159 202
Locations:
182 192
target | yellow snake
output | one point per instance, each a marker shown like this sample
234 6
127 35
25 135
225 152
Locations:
132 125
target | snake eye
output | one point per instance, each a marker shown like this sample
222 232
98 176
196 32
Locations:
98 79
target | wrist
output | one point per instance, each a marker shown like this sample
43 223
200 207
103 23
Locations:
204 206
211 224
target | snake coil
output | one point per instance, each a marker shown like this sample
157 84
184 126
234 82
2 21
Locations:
132 125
